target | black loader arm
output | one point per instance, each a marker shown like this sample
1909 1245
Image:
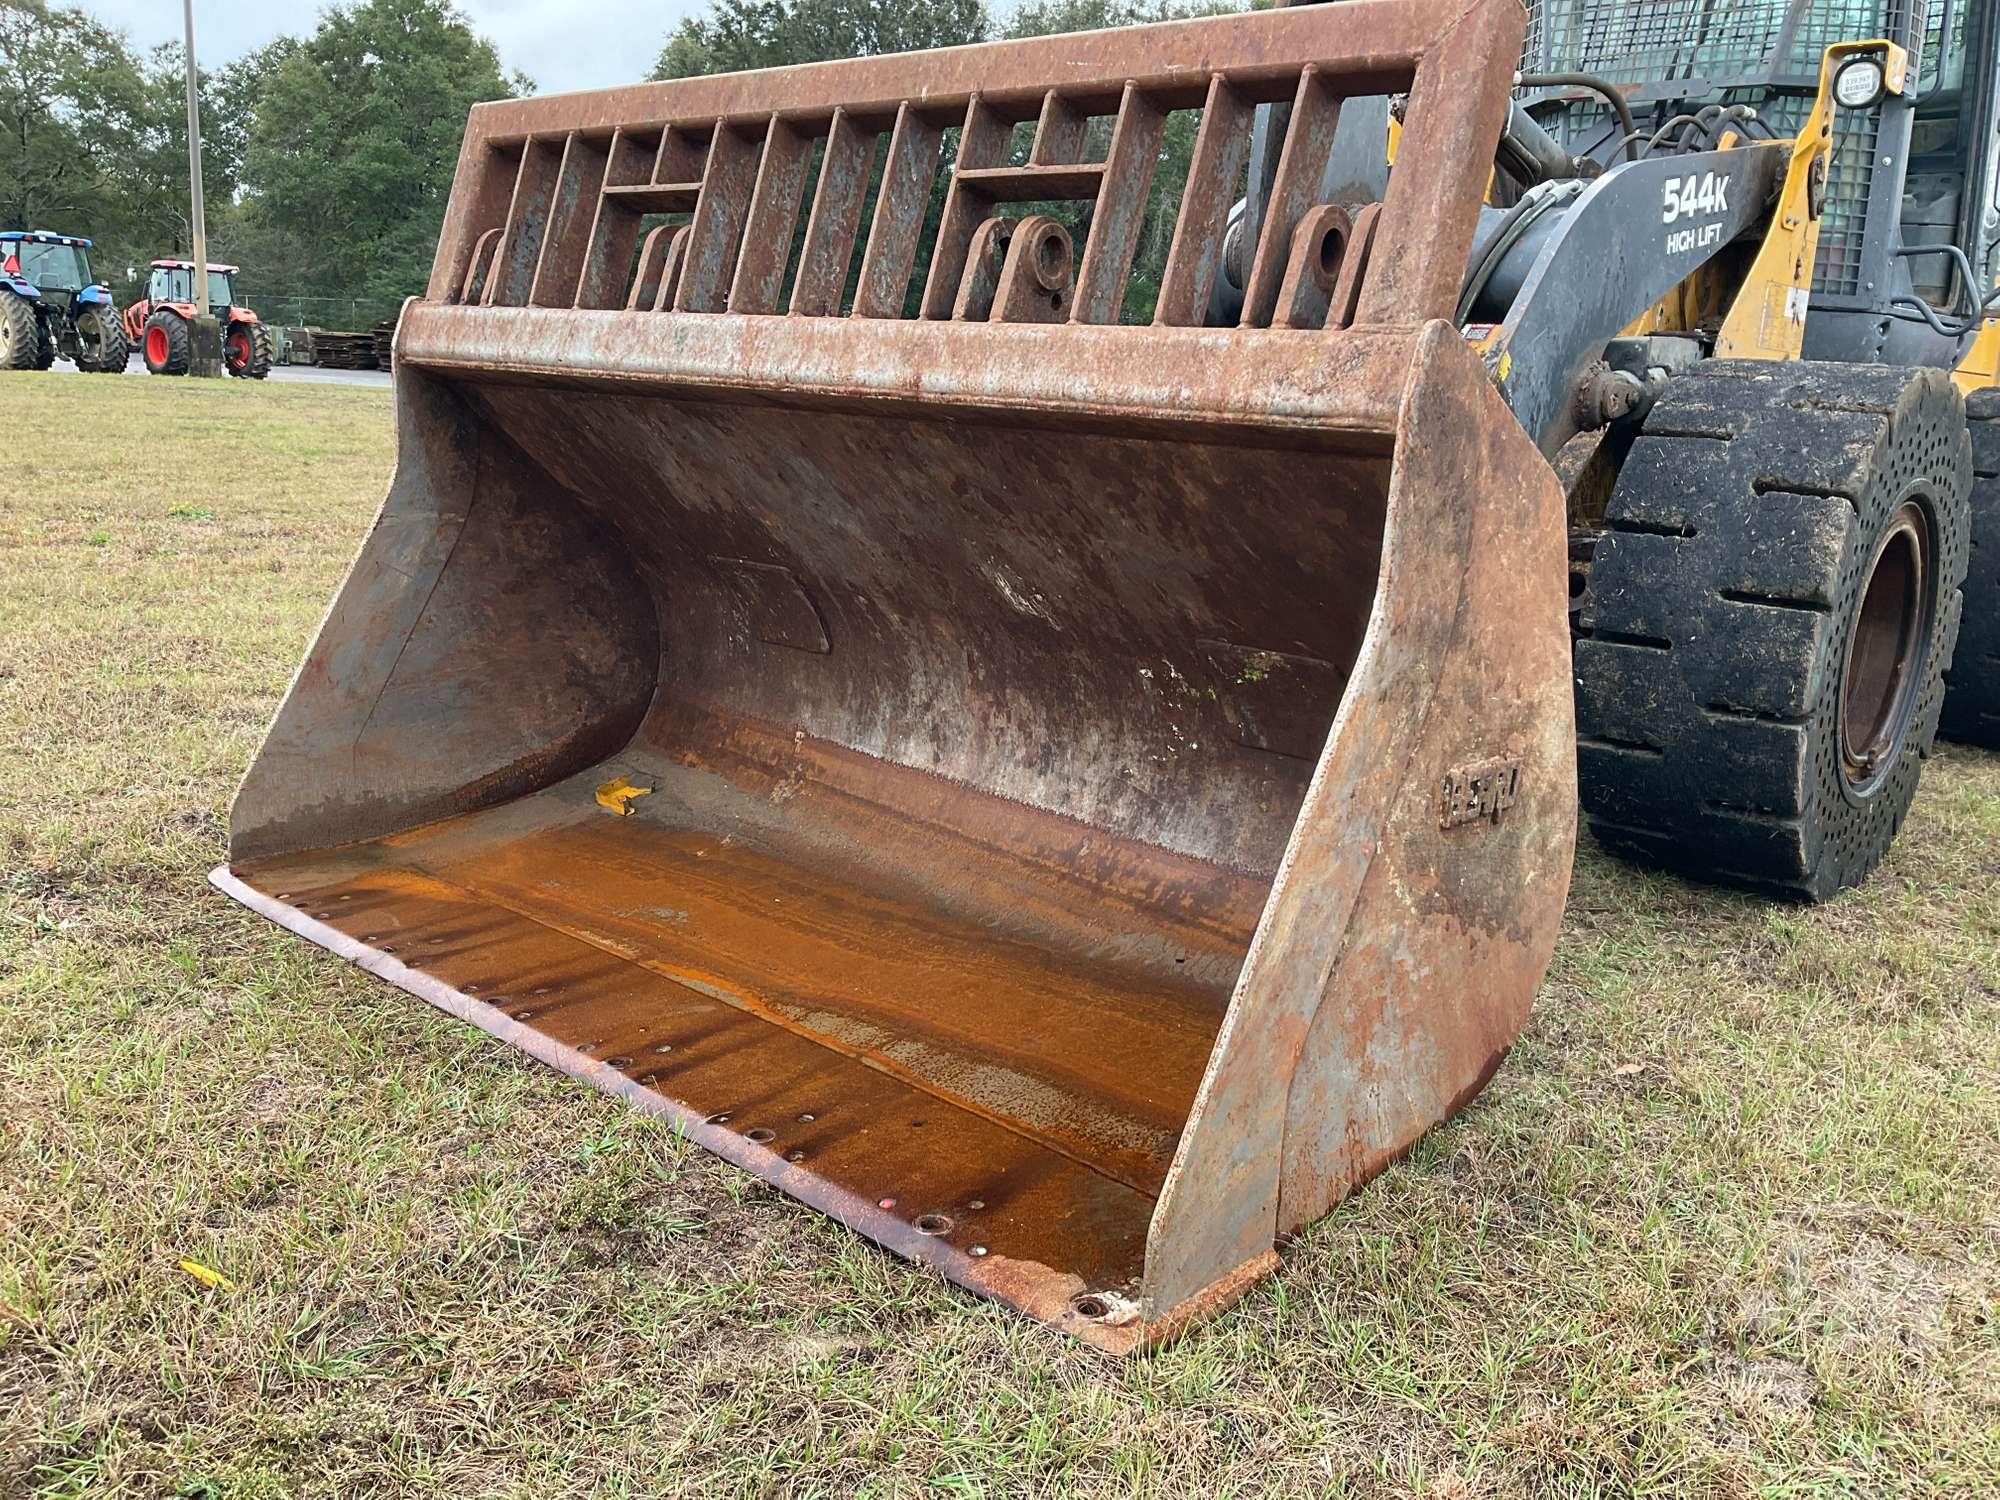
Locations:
1599 261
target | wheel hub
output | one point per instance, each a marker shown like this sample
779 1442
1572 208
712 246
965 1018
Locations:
1886 656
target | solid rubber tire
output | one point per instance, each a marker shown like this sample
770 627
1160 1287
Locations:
1722 599
1972 685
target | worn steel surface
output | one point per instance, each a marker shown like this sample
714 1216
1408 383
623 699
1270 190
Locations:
1069 799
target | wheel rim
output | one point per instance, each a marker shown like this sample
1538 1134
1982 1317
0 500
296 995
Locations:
239 351
1888 651
156 346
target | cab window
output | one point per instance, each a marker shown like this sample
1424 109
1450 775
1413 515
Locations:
54 267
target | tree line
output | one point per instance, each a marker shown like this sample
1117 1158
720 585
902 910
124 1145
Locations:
327 158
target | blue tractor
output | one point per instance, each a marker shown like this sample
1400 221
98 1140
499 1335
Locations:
50 308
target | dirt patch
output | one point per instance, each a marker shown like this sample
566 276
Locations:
1772 1389
267 1103
1859 1293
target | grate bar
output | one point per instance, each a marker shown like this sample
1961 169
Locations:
579 185
835 218
1196 253
1120 211
899 215
719 214
774 212
513 278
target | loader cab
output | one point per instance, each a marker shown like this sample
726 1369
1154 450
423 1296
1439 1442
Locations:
1949 191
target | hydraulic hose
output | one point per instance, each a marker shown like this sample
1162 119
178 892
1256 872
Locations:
1593 84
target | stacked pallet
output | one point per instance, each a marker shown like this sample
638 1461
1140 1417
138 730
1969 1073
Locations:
385 339
345 351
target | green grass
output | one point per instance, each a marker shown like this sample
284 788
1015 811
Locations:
1728 1222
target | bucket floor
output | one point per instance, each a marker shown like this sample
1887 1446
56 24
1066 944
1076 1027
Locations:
1003 1108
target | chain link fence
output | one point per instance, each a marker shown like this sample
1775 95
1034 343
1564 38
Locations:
350 314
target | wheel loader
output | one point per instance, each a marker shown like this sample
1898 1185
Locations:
1073 797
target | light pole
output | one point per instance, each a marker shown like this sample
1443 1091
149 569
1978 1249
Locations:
205 332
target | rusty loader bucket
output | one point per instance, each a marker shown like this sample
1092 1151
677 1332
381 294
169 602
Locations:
1069 797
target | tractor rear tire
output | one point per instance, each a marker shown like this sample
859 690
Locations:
20 333
1972 686
105 353
166 345
247 350
1769 615
45 348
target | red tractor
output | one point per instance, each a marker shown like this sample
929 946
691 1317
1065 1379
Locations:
158 323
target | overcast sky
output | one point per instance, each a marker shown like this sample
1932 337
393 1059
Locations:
561 44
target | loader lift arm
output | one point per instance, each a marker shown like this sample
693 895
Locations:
1633 236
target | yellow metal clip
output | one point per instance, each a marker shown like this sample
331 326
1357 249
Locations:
617 794
208 1276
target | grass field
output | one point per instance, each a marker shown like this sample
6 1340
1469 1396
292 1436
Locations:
1728 1222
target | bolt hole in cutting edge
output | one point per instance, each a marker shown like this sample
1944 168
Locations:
762 1135
933 1224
